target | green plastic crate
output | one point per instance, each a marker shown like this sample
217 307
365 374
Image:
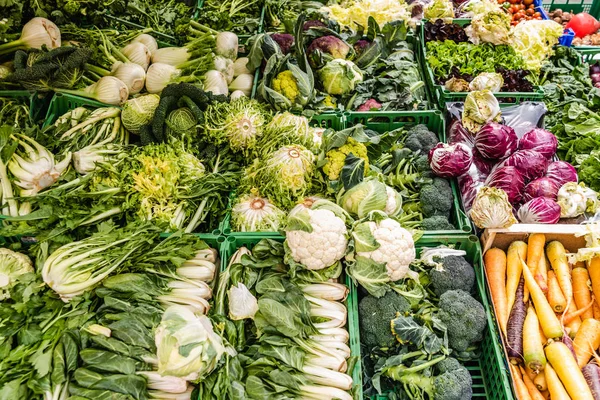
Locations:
573 6
230 246
490 372
38 102
589 54
443 96
380 121
62 102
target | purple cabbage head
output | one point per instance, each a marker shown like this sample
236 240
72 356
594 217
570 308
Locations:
541 187
540 140
450 160
484 167
458 134
361 46
496 141
331 46
469 186
284 40
540 210
531 164
561 172
509 179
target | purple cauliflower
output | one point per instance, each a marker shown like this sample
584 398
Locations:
327 45
314 23
370 105
284 40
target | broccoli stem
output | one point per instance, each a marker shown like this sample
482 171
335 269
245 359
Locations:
397 372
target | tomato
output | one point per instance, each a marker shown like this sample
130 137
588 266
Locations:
528 2
583 24
521 6
529 12
537 14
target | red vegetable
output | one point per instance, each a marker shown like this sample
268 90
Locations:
509 179
530 163
561 172
541 187
540 140
495 141
449 161
458 134
540 210
583 24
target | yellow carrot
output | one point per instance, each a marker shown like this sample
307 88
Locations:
540 381
533 349
550 324
594 272
586 341
555 295
516 251
558 260
562 360
495 267
531 388
555 386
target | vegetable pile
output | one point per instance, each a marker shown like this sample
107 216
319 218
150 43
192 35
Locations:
546 309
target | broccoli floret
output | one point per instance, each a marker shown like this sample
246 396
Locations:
454 381
437 223
436 198
422 165
457 274
464 317
375 316
421 139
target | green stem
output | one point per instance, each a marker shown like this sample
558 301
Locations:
11 46
203 28
97 70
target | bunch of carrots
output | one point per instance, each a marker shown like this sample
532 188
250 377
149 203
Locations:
550 319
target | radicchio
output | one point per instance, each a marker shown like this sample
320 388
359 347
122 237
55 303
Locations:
540 140
541 187
495 141
531 164
562 172
468 188
458 134
540 210
509 179
484 167
449 161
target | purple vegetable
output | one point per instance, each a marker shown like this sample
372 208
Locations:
514 326
595 69
284 40
313 23
530 163
591 373
360 46
509 179
484 167
567 341
331 46
541 187
540 210
370 105
449 161
458 134
595 77
561 172
496 141
540 140
469 186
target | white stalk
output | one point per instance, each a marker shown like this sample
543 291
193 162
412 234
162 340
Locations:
159 75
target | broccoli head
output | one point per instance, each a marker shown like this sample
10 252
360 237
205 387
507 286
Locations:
422 165
421 139
464 317
457 274
454 381
437 223
436 198
336 158
376 314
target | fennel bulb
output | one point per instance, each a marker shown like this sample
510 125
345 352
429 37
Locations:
215 82
35 34
224 66
85 160
108 90
236 95
137 53
131 74
240 66
148 41
244 83
227 45
159 75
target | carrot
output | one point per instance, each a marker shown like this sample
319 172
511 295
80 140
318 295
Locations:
594 272
586 341
545 393
541 275
555 386
596 309
591 373
495 266
571 316
550 323
581 292
533 349
558 259
516 251
555 296
540 382
535 253
514 327
533 391
563 362
520 388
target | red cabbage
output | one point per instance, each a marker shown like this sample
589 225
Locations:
561 172
496 141
458 134
541 187
484 167
469 187
540 210
540 140
509 179
531 164
449 161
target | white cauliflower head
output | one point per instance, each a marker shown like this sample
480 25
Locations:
317 238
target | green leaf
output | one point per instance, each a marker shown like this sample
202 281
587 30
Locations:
133 385
407 330
280 317
370 275
96 394
364 241
290 355
101 360
353 171
299 222
132 332
42 359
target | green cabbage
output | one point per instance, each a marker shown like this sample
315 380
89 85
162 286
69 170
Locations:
181 123
12 265
138 112
340 76
370 195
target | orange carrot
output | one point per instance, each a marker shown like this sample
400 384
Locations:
571 316
531 388
555 296
520 388
495 267
535 252
594 272
558 258
541 275
555 386
596 310
516 251
581 291
586 341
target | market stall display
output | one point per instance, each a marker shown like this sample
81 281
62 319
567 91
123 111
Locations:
297 200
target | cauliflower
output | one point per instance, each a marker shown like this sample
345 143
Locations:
285 84
383 252
316 236
336 158
340 76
